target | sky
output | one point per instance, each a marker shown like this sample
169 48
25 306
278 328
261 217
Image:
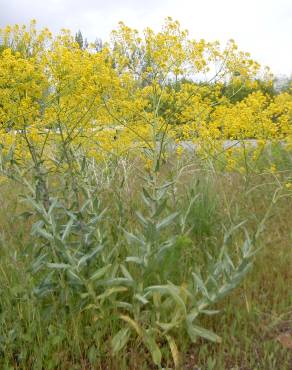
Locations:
261 27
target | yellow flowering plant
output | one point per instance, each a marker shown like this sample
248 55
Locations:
139 89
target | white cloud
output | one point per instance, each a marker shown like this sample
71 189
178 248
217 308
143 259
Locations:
262 27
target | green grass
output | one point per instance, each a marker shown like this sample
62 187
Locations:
55 332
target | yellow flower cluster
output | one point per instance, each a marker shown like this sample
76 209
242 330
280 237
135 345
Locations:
136 91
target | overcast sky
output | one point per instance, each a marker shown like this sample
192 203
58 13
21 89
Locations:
262 27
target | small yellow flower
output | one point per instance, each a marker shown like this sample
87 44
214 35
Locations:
179 151
148 164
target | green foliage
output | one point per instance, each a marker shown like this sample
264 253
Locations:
101 276
79 39
235 92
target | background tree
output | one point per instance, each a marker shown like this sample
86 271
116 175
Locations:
79 39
